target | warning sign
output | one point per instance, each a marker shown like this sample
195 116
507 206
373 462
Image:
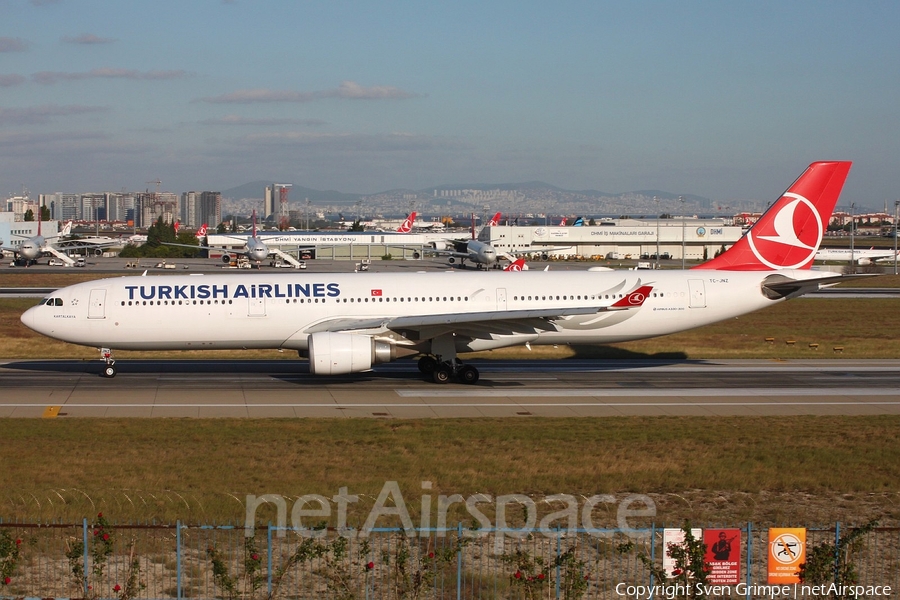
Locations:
787 551
723 554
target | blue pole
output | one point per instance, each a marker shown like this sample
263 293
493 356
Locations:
178 559
558 542
749 555
458 561
269 552
837 548
85 541
652 550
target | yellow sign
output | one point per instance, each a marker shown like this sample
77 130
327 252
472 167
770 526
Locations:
787 551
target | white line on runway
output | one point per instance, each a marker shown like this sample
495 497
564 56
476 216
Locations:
631 393
451 404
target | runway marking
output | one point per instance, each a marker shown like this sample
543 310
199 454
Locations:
370 405
627 392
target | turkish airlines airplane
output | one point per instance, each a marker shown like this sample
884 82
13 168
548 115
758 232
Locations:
859 256
345 323
254 248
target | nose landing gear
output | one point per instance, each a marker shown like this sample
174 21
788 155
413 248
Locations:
109 370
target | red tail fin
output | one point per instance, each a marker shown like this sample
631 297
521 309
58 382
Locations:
407 225
788 234
517 265
495 220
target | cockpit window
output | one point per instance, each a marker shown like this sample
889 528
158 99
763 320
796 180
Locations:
51 302
57 302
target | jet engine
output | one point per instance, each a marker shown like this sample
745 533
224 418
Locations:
440 245
226 258
864 262
339 353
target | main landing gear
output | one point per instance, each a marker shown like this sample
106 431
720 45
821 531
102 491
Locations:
109 370
442 371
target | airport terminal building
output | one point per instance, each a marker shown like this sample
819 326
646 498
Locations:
695 239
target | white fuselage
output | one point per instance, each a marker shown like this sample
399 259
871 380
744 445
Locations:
855 255
280 310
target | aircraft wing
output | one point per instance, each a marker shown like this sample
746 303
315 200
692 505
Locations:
484 323
781 286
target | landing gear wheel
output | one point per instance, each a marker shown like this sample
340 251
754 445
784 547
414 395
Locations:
109 371
442 374
427 365
467 374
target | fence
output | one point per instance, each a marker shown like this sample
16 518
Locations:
99 560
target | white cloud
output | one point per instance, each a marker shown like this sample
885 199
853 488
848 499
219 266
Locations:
11 80
238 120
12 44
88 39
50 77
43 114
347 90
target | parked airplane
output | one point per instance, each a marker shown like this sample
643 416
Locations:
859 256
254 248
481 253
32 248
29 250
345 323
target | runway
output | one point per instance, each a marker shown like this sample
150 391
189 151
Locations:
541 388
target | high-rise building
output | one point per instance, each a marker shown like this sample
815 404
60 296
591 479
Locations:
210 209
190 209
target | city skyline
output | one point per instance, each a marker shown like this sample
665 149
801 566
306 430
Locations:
723 101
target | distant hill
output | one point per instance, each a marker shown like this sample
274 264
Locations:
525 197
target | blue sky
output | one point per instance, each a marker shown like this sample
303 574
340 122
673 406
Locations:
728 100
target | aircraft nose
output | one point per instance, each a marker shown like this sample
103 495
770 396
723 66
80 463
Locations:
27 318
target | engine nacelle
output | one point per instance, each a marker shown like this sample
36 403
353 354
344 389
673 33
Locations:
339 353
226 258
864 262
440 245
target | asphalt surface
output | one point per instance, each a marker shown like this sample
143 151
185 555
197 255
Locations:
545 388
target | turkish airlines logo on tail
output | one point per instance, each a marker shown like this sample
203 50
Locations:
516 265
633 299
789 238
202 231
407 225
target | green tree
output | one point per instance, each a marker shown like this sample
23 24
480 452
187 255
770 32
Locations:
29 215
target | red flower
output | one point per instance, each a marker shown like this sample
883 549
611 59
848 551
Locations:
18 542
105 537
541 576
431 555
254 556
676 572
96 532
116 588
370 565
100 515
518 575
6 581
